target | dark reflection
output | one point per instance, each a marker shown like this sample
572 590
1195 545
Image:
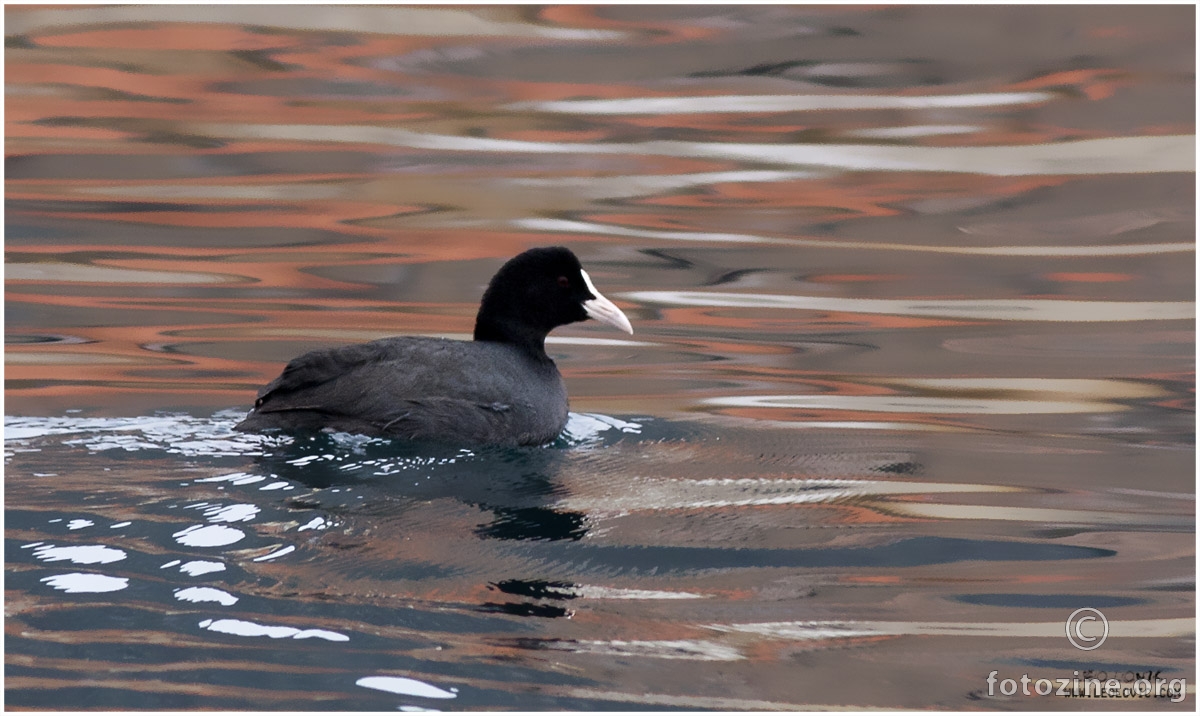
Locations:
1049 601
293 86
534 523
535 589
259 58
104 207
1103 669
144 167
670 258
525 609
907 467
33 339
515 484
912 552
26 230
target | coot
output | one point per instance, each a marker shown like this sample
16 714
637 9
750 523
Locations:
499 389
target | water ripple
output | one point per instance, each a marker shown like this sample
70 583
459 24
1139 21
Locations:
998 309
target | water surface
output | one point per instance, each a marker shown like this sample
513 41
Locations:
911 379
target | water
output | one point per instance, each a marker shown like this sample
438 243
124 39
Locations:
911 380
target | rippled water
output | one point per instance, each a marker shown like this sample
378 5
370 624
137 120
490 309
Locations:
911 380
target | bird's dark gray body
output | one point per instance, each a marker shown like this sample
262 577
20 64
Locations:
427 389
499 389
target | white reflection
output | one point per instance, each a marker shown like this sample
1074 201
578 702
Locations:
208 536
586 227
239 627
690 649
804 630
608 187
80 583
372 20
176 434
81 554
1116 155
85 273
199 567
565 225
243 192
1083 227
589 187
1119 155
1083 387
1018 396
998 309
237 478
277 553
588 591
672 493
404 686
641 699
206 594
916 404
931 510
228 513
915 131
856 425
780 103
582 427
316 523
79 524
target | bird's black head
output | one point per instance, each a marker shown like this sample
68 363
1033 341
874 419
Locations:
537 291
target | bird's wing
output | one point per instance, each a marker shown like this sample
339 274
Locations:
396 386
437 418
412 388
308 374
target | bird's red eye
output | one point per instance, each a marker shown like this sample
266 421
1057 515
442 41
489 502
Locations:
564 282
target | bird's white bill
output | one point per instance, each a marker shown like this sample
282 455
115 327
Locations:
602 309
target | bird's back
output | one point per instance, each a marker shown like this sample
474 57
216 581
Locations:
418 389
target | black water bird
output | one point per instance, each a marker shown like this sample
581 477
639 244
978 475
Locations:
499 389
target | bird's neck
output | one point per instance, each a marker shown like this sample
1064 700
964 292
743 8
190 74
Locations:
528 339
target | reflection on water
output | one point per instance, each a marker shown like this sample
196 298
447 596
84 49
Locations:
322 541
912 378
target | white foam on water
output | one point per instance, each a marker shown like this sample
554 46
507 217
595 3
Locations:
79 554
199 567
208 536
228 513
80 583
404 686
205 594
239 627
277 553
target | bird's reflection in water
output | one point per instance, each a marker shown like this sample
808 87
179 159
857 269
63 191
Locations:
516 485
